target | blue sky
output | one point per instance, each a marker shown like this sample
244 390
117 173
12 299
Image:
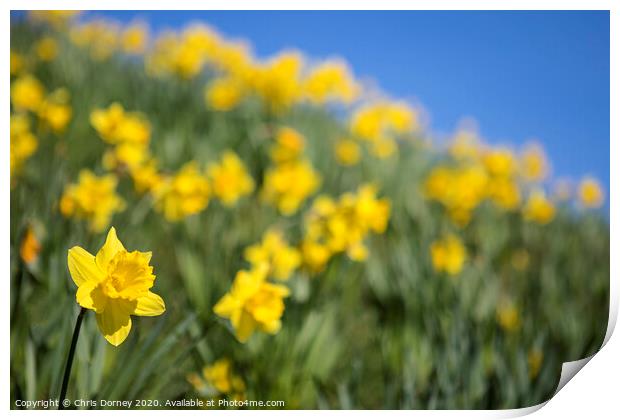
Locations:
521 75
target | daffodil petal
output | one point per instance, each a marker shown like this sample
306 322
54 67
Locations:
244 326
82 267
114 323
150 305
111 247
90 296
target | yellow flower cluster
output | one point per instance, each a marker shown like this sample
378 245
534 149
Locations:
590 193
332 227
185 193
230 179
274 251
292 179
93 199
380 123
253 303
448 255
56 18
102 38
53 111
482 172
23 143
218 379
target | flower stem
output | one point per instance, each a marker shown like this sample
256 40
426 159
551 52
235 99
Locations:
74 339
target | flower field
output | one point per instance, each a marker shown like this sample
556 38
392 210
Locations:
243 228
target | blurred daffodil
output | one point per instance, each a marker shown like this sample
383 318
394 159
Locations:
253 303
184 194
93 199
448 255
274 251
539 208
590 193
230 179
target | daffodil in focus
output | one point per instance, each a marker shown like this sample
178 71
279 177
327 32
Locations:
115 284
253 303
184 194
27 93
538 208
93 199
348 152
230 179
448 255
274 251
590 193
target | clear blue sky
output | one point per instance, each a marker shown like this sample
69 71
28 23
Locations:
520 75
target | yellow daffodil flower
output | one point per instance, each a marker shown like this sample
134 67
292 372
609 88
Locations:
274 251
115 284
230 179
538 208
184 194
253 303
92 198
448 255
590 193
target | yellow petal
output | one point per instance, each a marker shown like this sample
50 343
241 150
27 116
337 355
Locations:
90 296
82 266
114 323
244 326
150 305
226 306
111 247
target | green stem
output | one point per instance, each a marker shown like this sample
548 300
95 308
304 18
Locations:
74 339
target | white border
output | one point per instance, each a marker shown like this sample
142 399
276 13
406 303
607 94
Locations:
594 393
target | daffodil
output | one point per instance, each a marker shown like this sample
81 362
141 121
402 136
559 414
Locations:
30 246
22 144
253 303
115 284
590 193
448 255
538 208
27 93
230 179
46 48
274 251
330 81
184 194
92 198
289 145
224 94
288 185
347 152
